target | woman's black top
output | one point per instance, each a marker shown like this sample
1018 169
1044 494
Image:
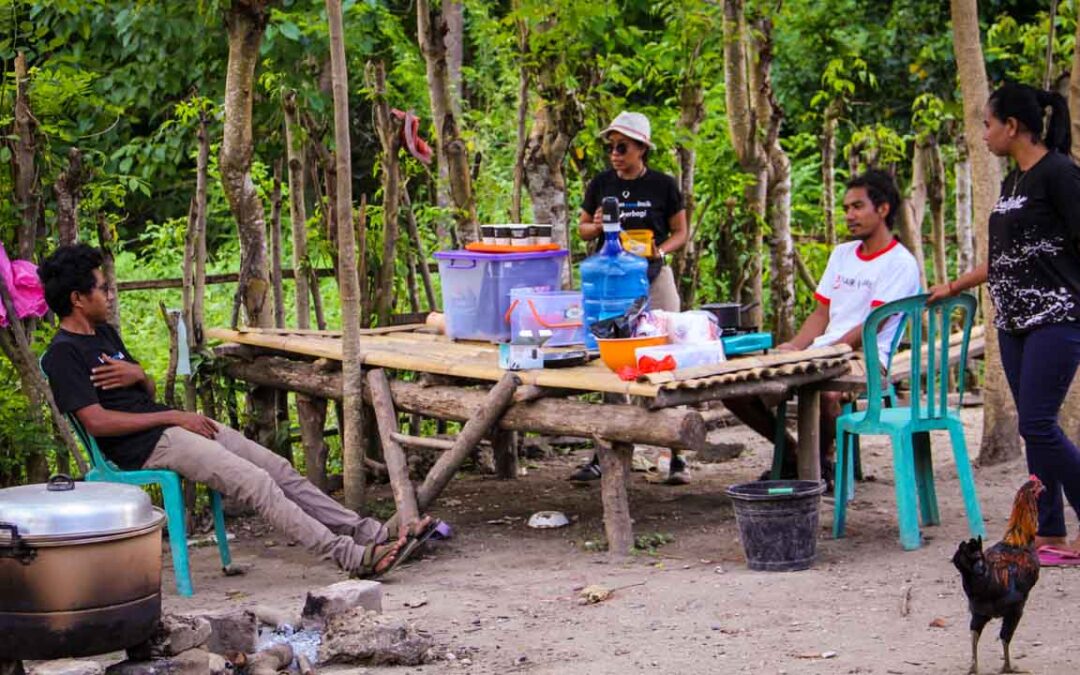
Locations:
1034 262
645 203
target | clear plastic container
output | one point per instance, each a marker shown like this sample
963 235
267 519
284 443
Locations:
476 288
559 312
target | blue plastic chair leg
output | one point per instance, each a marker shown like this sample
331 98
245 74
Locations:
924 478
173 497
904 476
852 450
843 445
219 528
967 481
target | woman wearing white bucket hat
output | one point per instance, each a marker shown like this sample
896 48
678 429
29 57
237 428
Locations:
648 200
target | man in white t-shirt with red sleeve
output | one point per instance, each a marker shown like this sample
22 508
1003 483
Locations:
862 274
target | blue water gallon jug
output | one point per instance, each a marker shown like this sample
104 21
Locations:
612 279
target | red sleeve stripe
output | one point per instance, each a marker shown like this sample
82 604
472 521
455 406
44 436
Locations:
821 298
876 303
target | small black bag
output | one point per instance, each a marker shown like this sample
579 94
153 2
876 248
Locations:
622 326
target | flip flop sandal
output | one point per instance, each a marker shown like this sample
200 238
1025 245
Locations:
371 559
1052 556
413 542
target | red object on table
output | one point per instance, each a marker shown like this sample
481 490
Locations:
628 373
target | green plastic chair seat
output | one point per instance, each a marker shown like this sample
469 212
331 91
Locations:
908 427
172 495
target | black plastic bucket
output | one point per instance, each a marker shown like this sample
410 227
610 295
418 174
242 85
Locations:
778 523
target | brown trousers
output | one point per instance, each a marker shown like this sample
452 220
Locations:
256 477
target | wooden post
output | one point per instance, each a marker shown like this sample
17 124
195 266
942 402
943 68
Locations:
615 474
396 465
495 404
506 457
809 442
171 319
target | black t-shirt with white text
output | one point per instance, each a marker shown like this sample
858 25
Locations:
645 203
68 363
1034 262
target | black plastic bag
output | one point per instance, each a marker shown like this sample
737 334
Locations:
622 326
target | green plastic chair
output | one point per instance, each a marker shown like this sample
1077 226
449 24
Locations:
172 495
907 427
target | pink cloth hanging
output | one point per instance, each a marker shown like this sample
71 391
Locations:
21 279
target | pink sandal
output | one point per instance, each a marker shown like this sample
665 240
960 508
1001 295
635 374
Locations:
1053 556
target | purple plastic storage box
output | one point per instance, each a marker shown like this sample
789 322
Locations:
476 288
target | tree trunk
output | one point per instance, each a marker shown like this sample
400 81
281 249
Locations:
418 246
1051 21
431 33
107 243
68 190
965 236
935 189
782 245
352 440
275 248
198 299
24 173
913 211
522 122
828 173
742 84
1074 94
310 411
691 114
297 210
544 176
454 14
389 131
246 22
1000 439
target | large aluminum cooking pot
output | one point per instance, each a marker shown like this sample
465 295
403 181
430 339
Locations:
80 569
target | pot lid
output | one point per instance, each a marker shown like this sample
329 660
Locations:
66 508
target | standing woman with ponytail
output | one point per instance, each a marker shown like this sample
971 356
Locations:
1033 270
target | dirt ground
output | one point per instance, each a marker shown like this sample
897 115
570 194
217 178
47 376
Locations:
502 598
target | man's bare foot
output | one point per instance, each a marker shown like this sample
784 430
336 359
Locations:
416 528
378 558
1059 542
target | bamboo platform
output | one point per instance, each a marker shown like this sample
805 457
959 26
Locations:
408 349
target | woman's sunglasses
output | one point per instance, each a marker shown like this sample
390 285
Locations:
618 148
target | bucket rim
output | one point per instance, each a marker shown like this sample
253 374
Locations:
758 490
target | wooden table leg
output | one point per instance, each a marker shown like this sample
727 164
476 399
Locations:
615 474
809 421
504 444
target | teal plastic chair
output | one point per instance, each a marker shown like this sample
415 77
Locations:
854 468
908 426
173 497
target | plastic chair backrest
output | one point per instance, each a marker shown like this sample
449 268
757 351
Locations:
930 368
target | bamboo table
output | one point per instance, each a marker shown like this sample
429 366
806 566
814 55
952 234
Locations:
651 410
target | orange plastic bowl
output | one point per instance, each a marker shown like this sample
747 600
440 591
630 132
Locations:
619 352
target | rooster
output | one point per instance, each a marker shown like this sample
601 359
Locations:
997 581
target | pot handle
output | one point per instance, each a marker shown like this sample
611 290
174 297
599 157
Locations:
61 482
17 549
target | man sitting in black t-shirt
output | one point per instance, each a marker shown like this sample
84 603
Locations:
94 377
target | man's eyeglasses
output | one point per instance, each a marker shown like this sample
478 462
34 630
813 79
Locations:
104 287
618 148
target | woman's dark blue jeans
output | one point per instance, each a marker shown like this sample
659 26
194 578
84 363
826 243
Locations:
1040 365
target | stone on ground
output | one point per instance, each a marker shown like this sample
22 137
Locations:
231 630
65 667
338 598
174 635
360 637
